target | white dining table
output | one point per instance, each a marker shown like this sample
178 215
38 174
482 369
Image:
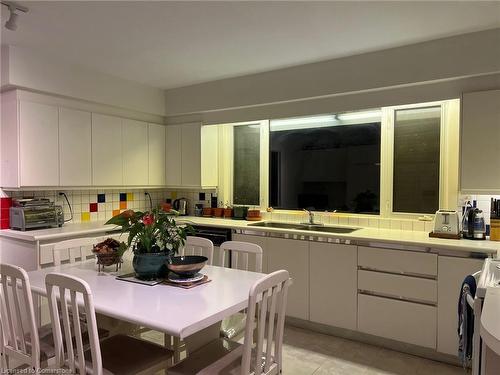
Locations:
169 309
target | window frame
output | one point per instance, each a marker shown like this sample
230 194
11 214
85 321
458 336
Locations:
448 154
448 163
226 162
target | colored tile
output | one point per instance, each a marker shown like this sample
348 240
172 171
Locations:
173 195
5 202
4 213
123 197
123 205
101 198
93 207
85 216
4 224
130 197
201 196
116 212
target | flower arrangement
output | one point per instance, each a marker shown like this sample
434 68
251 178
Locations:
152 232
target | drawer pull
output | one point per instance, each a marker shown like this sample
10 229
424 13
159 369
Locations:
397 298
402 273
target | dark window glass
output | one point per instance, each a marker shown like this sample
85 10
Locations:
326 163
246 171
416 160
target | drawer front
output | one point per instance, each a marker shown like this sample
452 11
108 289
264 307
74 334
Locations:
407 287
397 320
397 261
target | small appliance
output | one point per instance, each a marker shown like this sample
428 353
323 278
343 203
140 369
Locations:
473 225
35 214
446 221
180 205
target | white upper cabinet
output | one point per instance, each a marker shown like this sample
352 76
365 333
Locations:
75 145
173 155
38 141
191 156
156 152
135 152
480 142
107 168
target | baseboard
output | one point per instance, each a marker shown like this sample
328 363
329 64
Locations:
374 340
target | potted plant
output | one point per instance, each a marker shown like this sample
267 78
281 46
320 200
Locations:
154 237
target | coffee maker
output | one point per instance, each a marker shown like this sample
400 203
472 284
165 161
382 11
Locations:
473 225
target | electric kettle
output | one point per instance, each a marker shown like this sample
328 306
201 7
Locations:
180 205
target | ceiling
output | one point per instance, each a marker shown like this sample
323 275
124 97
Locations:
173 44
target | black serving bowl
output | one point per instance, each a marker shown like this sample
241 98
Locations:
187 266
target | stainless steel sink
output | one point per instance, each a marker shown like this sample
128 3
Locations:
311 227
275 224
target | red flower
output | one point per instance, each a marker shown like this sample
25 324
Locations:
148 219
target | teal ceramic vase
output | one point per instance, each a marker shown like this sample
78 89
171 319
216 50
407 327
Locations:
150 266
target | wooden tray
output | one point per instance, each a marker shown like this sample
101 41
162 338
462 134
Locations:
445 235
188 285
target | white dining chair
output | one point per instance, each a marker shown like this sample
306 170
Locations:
20 337
234 325
240 253
266 306
199 246
118 354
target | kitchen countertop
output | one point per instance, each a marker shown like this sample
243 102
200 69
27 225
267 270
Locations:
386 236
67 230
394 236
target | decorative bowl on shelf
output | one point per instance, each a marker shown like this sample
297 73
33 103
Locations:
187 266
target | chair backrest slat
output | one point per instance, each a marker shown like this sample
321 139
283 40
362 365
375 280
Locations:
74 247
19 333
266 304
69 349
199 246
245 249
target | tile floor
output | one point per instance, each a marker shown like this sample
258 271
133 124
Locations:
308 353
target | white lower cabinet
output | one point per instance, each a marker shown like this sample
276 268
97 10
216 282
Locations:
258 240
451 273
403 321
333 284
293 256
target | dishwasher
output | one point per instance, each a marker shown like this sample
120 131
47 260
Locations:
217 236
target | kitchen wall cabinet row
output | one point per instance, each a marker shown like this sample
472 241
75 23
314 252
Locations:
49 146
371 290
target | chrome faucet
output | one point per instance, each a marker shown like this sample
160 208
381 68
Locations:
311 216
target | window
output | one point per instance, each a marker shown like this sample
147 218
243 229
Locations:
327 162
400 161
246 165
416 160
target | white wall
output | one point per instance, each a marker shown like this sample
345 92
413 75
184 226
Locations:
32 70
447 65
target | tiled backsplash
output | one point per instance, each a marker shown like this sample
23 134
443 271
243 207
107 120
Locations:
100 205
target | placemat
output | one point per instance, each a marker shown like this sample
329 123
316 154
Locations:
188 285
130 277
